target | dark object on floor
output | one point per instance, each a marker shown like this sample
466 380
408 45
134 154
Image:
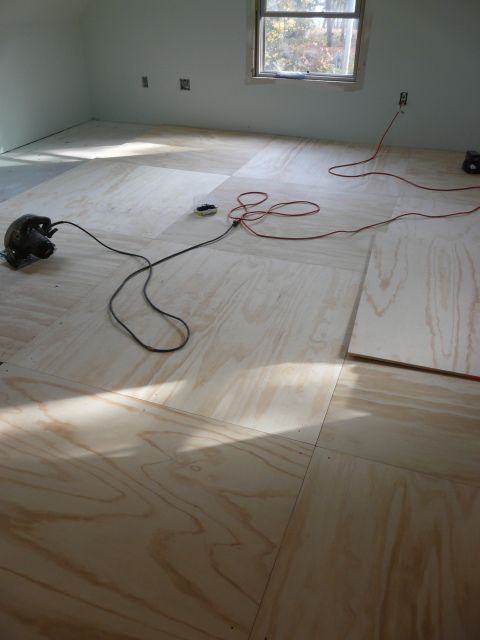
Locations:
148 269
28 236
206 210
471 164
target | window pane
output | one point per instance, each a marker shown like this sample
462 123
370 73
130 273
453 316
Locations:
323 46
311 5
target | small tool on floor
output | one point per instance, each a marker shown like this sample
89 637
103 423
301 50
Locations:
28 239
206 210
471 164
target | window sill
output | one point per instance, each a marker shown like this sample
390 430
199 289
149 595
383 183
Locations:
308 77
307 80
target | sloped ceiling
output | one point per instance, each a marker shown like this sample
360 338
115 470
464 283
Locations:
26 11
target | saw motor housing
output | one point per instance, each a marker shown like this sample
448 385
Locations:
28 236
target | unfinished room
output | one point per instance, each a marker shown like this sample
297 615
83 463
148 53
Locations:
239 320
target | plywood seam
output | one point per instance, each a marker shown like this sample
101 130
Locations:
281 544
205 416
330 401
432 476
157 405
218 247
416 367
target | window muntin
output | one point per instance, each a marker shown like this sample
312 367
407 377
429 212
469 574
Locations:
316 39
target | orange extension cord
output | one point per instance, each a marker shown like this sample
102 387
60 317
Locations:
246 214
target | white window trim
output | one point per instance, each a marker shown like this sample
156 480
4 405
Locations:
351 80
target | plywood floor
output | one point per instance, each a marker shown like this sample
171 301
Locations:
259 484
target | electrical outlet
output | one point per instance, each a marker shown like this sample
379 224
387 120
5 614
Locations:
145 82
184 84
403 99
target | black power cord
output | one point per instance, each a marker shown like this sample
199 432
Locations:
149 267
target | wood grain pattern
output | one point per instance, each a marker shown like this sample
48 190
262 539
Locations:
192 149
268 339
439 204
376 552
456 227
408 418
420 302
349 211
438 168
306 161
120 519
107 196
37 295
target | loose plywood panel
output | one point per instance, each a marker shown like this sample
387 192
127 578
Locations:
122 519
420 303
373 551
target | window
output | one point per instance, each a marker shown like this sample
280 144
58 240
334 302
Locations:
312 39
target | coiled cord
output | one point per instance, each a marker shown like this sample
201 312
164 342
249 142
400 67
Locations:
148 267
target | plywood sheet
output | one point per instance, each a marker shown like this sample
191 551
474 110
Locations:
306 161
420 303
438 168
409 418
268 339
111 196
466 226
349 211
437 203
192 149
93 139
17 176
34 297
121 519
373 551
34 163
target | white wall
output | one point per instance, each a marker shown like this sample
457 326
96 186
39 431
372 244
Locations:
43 80
428 47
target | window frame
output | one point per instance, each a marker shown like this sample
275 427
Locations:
259 39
